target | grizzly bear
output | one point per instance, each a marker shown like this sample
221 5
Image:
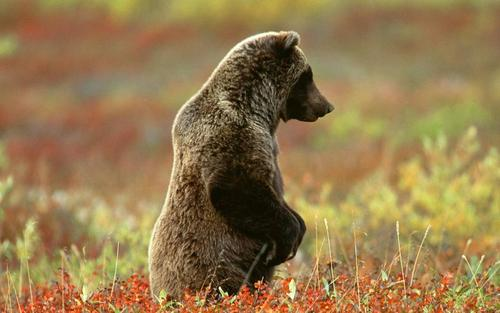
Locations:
225 222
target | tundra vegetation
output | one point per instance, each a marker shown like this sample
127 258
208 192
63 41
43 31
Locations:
399 186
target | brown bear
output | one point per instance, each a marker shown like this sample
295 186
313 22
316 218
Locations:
225 222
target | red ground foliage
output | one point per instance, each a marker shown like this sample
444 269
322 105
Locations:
344 295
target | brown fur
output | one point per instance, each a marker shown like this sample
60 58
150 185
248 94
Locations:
229 123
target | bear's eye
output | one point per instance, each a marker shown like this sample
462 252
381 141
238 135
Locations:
307 75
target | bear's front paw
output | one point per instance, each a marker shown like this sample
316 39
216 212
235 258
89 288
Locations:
301 230
281 256
284 251
298 241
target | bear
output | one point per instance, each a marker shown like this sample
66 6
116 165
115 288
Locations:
225 223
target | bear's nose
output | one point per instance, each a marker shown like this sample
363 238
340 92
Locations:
330 108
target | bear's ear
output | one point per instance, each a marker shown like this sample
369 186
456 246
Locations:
285 41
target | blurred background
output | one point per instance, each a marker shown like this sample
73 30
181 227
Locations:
89 90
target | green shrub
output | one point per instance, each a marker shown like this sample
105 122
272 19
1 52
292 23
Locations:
454 190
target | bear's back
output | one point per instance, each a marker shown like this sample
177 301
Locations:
191 240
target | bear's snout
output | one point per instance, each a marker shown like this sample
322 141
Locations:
323 107
327 109
330 108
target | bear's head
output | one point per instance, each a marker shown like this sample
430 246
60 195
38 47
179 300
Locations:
269 68
304 101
